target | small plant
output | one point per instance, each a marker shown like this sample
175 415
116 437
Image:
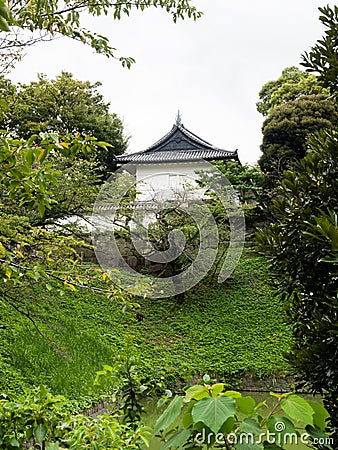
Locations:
129 388
103 432
42 422
34 419
211 417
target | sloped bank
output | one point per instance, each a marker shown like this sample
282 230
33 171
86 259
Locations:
234 331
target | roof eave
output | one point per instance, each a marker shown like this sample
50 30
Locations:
177 161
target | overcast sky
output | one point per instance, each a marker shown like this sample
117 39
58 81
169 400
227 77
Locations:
211 70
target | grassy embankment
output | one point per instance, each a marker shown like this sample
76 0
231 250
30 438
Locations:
228 330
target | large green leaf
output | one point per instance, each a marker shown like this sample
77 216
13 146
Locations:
177 440
297 408
228 426
283 430
233 394
250 426
197 392
169 415
320 415
216 389
40 433
320 436
214 411
249 438
245 405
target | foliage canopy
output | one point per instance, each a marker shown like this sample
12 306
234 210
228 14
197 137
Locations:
286 130
302 246
291 85
323 56
29 23
64 105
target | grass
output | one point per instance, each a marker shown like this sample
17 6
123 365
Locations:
226 330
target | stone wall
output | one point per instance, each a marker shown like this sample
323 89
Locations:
129 254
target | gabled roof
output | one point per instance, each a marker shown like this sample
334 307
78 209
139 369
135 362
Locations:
179 145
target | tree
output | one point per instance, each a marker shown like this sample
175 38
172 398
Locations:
291 85
323 57
36 255
286 130
302 247
77 183
31 256
65 105
34 22
247 181
303 243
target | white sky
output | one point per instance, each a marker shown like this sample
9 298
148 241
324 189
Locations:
212 69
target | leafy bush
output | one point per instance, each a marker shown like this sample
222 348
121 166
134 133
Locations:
214 418
42 421
302 249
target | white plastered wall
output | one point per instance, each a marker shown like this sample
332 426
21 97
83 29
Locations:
167 180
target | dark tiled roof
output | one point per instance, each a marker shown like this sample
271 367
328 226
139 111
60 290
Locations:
177 156
179 145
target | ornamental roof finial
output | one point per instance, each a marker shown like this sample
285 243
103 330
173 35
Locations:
178 118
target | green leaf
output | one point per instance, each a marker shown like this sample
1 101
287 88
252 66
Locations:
53 446
160 402
42 155
319 435
169 415
249 446
228 426
233 394
283 429
187 420
320 414
268 446
250 426
41 209
29 156
3 104
4 24
245 405
217 389
14 443
213 412
297 408
31 140
40 433
197 392
249 435
177 440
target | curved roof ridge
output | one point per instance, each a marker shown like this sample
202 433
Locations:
160 141
186 132
195 137
178 144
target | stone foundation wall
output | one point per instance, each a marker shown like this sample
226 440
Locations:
129 254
